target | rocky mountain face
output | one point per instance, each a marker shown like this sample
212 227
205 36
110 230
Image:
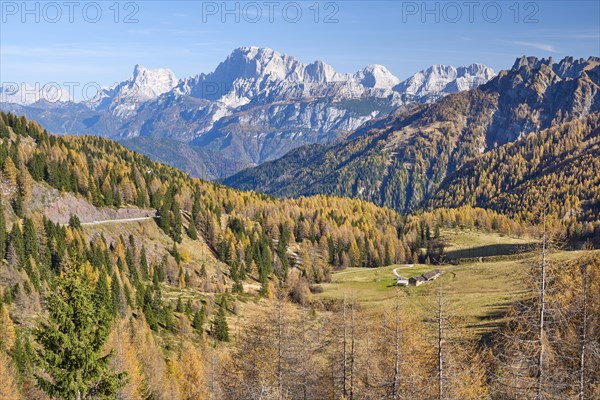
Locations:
123 99
401 161
256 106
438 80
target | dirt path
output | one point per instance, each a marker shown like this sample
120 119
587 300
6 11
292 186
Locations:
395 271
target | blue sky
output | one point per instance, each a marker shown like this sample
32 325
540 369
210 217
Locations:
193 36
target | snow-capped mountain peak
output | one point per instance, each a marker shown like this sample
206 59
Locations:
376 76
320 72
143 85
439 80
257 63
152 83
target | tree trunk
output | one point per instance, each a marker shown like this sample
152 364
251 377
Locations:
395 382
440 348
583 335
352 351
344 355
280 349
540 366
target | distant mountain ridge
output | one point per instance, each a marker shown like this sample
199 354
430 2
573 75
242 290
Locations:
123 98
402 160
257 105
439 80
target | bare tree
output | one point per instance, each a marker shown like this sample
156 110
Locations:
585 320
396 378
542 320
440 342
344 350
352 347
583 334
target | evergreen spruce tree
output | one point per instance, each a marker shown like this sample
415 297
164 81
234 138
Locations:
175 253
18 205
102 296
74 221
176 226
23 354
30 239
196 206
16 244
219 326
71 343
169 318
192 231
165 217
144 263
115 295
198 322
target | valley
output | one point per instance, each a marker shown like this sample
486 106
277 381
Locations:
478 292
281 228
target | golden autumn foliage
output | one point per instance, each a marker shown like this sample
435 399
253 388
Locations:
8 381
7 329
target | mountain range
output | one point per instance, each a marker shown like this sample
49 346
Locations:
466 148
256 106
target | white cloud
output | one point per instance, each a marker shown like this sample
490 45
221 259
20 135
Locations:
536 45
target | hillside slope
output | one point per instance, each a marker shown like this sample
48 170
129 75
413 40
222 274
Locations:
559 164
169 293
403 163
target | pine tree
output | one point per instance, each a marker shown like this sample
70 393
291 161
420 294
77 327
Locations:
102 296
175 253
72 341
176 225
18 205
196 207
220 327
23 354
192 231
198 321
144 263
30 239
165 217
74 221
115 296
16 247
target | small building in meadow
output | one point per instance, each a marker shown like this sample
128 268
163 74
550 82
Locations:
401 281
426 277
416 280
432 275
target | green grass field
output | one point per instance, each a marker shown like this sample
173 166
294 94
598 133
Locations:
460 239
478 293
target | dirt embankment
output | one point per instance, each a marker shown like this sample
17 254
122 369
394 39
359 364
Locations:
58 207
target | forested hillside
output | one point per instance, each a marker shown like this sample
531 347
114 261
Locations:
559 164
403 163
133 309
147 280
